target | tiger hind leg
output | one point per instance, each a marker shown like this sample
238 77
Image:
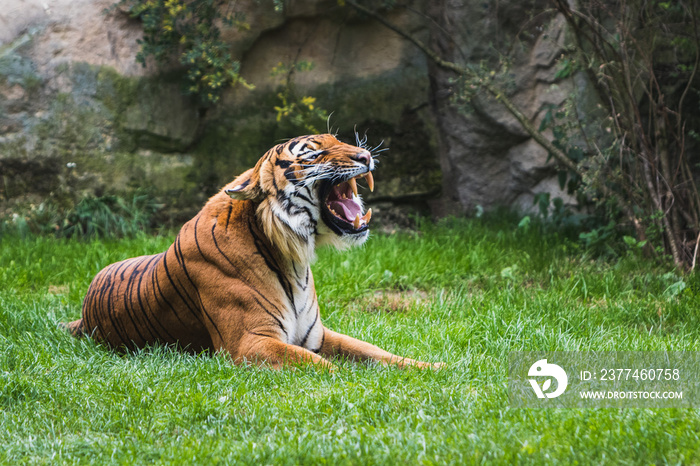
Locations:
75 328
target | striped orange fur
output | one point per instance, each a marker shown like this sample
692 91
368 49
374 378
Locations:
238 277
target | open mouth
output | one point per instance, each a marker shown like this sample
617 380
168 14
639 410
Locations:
342 209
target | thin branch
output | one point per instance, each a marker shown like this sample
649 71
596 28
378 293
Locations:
695 253
497 93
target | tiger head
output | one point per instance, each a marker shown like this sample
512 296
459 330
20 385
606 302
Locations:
306 193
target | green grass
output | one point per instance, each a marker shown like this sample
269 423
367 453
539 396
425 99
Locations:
465 292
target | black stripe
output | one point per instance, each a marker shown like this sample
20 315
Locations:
308 213
304 285
181 260
171 338
266 254
177 290
156 286
115 325
97 302
293 209
145 317
306 335
110 313
296 277
261 334
91 303
283 199
290 175
155 297
228 218
283 163
127 298
266 300
216 245
196 241
279 322
136 288
147 314
301 196
235 267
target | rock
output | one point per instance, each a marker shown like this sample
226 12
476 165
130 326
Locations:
487 159
161 118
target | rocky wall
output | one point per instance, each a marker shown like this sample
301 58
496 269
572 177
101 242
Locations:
78 115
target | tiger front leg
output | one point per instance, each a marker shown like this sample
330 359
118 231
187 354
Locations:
268 350
337 344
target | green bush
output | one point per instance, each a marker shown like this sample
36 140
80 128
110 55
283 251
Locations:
92 217
109 216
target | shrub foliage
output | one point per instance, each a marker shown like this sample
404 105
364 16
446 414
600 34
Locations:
188 30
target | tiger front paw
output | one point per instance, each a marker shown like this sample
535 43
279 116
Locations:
430 365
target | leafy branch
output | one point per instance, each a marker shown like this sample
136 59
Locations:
187 29
303 113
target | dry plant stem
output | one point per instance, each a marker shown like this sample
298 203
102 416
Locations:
695 253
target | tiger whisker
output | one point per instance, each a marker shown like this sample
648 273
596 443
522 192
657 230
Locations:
361 143
329 127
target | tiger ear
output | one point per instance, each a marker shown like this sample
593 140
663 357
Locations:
245 186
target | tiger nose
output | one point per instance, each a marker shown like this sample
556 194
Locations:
363 157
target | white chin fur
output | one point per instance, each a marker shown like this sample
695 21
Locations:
326 237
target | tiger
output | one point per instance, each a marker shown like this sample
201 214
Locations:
237 277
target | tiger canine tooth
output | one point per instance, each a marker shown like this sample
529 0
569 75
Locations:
367 216
353 185
356 223
370 181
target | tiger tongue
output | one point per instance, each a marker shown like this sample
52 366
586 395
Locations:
347 209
